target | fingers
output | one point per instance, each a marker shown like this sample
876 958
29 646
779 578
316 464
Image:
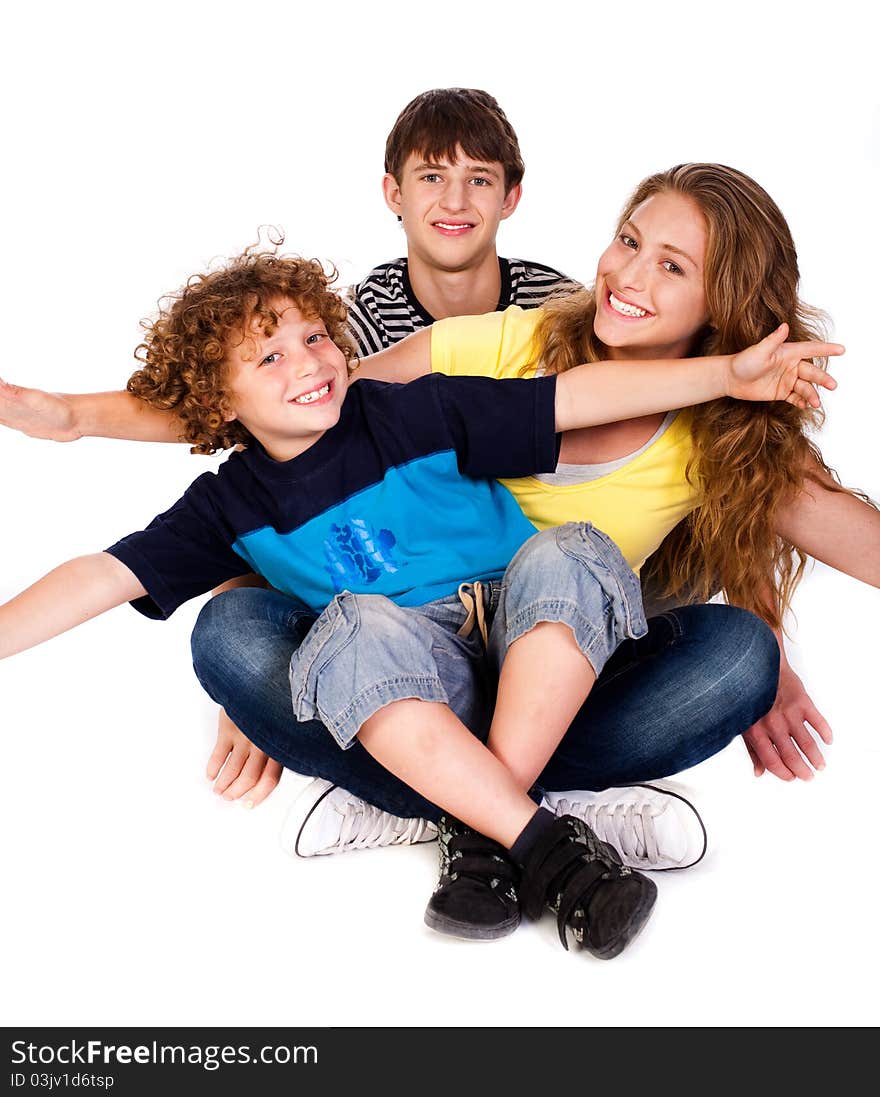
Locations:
238 768
803 395
227 734
235 763
218 756
809 372
808 746
757 765
790 756
813 348
258 779
817 721
783 745
768 757
776 338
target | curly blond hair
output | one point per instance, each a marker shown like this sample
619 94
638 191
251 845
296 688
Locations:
184 353
749 458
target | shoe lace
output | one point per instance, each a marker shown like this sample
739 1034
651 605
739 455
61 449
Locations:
627 827
365 826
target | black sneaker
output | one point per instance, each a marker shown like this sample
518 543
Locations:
592 893
476 897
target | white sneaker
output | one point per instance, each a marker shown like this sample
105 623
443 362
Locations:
651 827
326 819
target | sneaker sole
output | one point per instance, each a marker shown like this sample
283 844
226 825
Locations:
467 931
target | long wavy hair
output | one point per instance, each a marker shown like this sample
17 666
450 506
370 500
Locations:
749 458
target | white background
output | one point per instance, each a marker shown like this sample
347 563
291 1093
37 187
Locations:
140 141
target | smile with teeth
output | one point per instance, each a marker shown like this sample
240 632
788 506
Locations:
311 397
450 226
624 308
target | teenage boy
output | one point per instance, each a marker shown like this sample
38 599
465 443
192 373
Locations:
453 173
255 353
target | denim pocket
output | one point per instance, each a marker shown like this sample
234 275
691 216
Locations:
590 546
331 633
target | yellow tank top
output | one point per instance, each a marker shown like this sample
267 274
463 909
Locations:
636 503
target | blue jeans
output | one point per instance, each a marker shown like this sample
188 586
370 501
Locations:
699 677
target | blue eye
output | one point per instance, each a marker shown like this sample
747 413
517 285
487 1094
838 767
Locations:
270 359
431 177
481 181
312 339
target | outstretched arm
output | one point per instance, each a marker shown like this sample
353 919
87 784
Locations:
68 596
835 527
605 392
842 531
402 362
64 417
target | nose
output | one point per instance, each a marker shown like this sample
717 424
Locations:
633 274
300 363
454 196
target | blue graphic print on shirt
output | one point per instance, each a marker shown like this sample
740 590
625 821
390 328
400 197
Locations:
355 555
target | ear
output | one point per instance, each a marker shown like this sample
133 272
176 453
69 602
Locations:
511 201
391 191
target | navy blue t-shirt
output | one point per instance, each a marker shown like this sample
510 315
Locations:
394 500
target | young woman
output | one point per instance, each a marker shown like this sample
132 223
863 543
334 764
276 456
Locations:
726 496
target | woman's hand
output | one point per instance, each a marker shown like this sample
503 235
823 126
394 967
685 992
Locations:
781 742
776 370
36 413
244 771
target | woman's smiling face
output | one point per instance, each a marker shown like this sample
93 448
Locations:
650 300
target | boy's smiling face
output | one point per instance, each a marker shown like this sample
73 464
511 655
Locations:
450 210
287 388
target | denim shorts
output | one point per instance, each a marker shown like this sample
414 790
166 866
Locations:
364 651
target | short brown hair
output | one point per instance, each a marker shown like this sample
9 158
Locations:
437 122
184 354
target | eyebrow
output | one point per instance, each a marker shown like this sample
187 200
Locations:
477 169
663 247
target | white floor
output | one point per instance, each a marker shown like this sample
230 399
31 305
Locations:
134 896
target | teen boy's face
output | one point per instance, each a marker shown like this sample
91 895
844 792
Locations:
287 388
650 301
450 210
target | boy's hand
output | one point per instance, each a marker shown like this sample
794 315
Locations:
776 370
36 413
245 773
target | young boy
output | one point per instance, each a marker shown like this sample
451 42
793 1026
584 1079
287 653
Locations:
374 507
453 173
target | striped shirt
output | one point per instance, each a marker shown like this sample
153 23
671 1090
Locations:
383 308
